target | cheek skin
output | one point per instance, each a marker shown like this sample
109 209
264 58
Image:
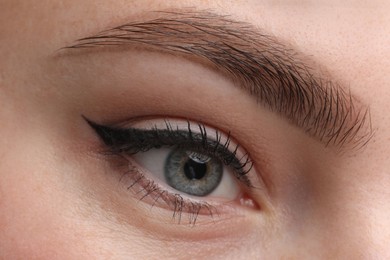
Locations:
49 208
33 230
41 218
35 215
43 209
49 200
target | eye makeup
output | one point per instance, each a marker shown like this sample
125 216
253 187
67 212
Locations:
134 140
197 149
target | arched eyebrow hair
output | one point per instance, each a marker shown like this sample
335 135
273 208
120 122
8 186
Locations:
268 69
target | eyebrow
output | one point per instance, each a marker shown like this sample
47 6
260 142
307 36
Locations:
279 77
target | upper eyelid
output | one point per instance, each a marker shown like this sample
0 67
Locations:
266 68
121 141
144 185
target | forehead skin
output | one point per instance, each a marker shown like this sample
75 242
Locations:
350 39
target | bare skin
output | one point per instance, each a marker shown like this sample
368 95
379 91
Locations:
61 198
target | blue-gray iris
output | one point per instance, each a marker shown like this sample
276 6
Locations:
192 172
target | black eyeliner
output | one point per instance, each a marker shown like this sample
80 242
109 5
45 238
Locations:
131 141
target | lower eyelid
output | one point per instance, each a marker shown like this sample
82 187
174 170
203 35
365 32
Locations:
183 209
147 190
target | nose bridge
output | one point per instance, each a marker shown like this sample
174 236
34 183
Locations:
379 231
375 214
347 217
347 210
360 212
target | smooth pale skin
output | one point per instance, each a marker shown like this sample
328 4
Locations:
61 199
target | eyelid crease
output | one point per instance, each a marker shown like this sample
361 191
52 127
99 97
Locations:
269 70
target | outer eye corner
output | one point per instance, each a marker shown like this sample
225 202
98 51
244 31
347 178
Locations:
200 168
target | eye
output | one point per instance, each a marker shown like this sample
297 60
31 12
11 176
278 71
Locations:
190 172
188 166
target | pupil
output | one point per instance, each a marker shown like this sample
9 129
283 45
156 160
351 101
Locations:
194 170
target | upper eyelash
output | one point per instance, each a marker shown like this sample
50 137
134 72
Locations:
122 142
133 140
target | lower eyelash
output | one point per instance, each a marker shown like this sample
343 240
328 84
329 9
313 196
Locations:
132 141
145 188
122 143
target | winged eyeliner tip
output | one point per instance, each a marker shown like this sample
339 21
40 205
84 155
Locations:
270 69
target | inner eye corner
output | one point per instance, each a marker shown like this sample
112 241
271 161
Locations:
197 164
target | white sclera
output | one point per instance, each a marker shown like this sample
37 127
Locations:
153 162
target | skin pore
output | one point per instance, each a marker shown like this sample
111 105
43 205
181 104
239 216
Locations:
316 192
